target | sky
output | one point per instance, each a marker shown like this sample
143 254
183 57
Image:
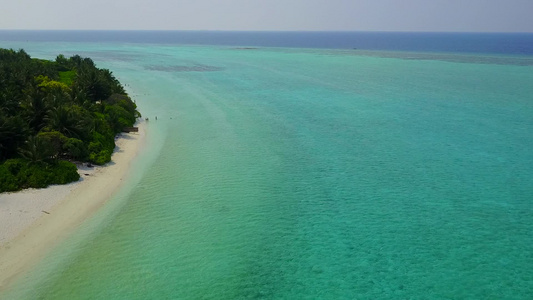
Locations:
270 15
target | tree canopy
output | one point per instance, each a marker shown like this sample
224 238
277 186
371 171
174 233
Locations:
54 112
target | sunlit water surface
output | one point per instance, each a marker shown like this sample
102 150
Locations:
278 173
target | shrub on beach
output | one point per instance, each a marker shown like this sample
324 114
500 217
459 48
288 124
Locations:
101 148
101 157
8 182
63 172
75 148
19 173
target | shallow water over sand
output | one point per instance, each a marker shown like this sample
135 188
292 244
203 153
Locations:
305 174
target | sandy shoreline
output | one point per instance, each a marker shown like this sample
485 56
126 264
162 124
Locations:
33 221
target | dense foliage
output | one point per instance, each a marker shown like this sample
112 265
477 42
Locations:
55 111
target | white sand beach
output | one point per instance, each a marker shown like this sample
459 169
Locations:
33 221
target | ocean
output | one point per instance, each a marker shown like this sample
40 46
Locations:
309 166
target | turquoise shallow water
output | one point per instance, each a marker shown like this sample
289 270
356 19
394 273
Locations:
310 174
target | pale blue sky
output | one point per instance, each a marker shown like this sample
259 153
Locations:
356 15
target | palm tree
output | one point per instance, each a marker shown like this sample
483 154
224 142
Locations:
36 150
36 109
79 97
9 103
13 132
70 121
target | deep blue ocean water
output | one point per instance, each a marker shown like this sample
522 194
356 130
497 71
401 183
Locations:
292 166
495 43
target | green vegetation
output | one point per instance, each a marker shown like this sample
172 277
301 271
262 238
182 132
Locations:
53 112
67 77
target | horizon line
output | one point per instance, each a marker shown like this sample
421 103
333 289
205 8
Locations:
271 31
